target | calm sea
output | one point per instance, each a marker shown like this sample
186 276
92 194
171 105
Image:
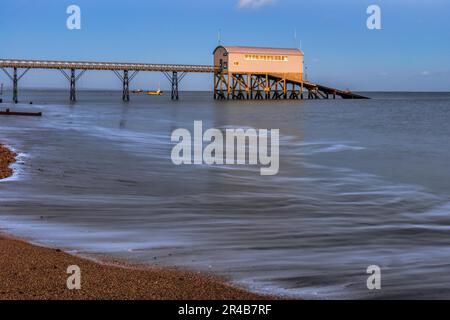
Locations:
361 182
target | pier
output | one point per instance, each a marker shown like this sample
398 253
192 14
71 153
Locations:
228 84
74 70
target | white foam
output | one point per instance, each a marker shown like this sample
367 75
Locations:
311 148
319 293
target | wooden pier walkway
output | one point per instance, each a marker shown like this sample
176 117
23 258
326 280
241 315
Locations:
268 86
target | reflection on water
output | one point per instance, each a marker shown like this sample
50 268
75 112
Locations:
360 183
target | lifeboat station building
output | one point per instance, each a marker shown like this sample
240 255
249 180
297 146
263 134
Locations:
257 73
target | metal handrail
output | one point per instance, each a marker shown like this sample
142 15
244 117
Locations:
84 65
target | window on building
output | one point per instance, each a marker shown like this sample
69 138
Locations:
257 57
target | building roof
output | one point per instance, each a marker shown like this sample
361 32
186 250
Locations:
259 50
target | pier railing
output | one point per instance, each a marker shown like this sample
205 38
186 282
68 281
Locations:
118 66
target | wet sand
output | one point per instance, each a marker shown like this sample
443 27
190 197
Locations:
33 272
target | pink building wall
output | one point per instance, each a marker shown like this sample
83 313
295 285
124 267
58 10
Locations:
234 61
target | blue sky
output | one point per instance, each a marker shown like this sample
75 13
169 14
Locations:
411 52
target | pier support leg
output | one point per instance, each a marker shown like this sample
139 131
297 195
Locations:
15 81
250 86
229 79
223 86
73 97
126 79
275 94
73 78
174 85
126 86
215 86
175 80
219 83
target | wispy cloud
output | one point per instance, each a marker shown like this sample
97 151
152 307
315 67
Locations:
254 3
